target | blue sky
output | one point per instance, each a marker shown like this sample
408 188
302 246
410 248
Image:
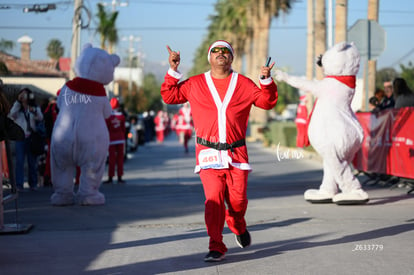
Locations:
182 24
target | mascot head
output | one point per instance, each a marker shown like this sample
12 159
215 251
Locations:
96 64
341 60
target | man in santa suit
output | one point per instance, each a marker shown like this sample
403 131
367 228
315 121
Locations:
301 121
220 104
184 125
116 129
159 122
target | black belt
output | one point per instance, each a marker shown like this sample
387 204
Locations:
219 145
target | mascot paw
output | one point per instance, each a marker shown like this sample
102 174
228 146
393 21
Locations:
351 198
318 196
59 199
280 76
95 199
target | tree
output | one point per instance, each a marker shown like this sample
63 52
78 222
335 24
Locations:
245 24
383 75
55 49
286 95
407 72
6 45
106 28
320 32
229 23
3 69
144 98
151 91
341 20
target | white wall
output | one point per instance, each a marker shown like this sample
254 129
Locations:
49 84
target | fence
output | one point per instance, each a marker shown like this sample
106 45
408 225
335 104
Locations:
388 146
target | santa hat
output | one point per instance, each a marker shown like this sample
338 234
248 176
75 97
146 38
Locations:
222 43
114 103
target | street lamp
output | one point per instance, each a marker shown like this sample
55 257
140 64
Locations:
131 50
115 3
40 8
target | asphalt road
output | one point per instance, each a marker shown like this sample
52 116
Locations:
154 224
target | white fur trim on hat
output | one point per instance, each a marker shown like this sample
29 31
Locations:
222 43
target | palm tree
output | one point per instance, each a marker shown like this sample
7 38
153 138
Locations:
55 49
341 21
106 28
6 45
112 32
234 27
229 23
260 15
310 53
245 24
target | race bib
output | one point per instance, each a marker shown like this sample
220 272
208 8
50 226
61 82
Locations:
209 158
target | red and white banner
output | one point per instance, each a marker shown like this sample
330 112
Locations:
388 146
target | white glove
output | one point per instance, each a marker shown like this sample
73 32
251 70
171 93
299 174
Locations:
280 76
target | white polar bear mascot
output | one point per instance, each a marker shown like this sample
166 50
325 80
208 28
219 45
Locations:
80 136
334 131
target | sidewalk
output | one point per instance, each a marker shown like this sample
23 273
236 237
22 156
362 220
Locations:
154 224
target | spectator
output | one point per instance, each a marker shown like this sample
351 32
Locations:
185 125
25 113
388 101
8 129
149 126
377 100
404 97
50 115
116 127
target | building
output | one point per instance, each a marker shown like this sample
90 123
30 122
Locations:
43 76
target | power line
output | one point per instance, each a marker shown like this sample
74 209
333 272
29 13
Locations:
402 58
161 28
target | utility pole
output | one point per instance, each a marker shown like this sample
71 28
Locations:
310 55
320 32
131 50
330 24
75 45
373 10
341 24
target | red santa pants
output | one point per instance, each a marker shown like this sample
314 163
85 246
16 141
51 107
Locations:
302 135
159 135
187 137
116 157
221 187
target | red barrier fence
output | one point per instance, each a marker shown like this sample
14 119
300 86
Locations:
388 146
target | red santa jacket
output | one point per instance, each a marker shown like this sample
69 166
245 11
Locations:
159 122
184 120
220 121
116 128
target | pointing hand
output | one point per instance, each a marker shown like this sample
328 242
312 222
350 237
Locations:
173 59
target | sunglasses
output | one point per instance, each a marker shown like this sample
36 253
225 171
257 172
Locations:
222 49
